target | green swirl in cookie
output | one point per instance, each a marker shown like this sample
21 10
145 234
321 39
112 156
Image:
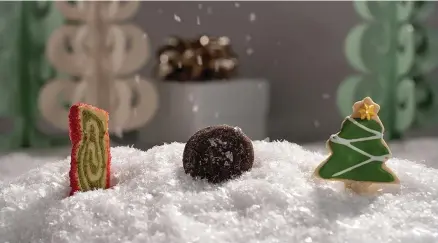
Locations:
91 154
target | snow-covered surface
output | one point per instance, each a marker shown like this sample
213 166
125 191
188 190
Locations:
16 163
422 150
153 200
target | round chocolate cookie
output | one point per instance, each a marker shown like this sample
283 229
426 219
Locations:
218 153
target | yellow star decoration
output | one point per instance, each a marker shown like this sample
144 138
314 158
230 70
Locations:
367 111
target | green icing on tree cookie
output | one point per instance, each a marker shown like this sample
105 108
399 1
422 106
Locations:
358 153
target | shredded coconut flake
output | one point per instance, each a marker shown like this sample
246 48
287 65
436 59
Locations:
153 200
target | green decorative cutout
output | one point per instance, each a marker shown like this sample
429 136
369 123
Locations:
40 18
10 103
24 29
358 153
394 52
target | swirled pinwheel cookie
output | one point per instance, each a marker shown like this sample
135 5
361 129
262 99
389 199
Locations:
90 154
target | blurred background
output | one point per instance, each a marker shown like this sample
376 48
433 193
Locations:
272 68
297 46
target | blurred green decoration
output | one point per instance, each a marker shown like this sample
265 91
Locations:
24 28
394 51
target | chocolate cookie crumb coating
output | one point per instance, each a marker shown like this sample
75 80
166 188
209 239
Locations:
218 153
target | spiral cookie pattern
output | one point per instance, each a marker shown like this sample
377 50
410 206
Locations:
90 157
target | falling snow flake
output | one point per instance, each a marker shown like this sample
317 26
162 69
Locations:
252 17
249 51
177 18
209 10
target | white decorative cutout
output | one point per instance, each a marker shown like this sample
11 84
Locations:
99 51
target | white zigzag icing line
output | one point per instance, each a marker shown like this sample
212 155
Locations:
347 142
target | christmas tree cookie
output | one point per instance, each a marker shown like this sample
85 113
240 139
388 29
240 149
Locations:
358 151
90 154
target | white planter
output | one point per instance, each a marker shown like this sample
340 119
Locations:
186 107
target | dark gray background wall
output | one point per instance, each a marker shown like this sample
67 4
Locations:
297 46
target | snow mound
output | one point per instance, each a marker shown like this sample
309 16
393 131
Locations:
153 200
16 163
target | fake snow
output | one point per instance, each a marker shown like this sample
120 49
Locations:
177 18
229 156
215 141
252 17
325 96
209 10
153 200
212 142
249 51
